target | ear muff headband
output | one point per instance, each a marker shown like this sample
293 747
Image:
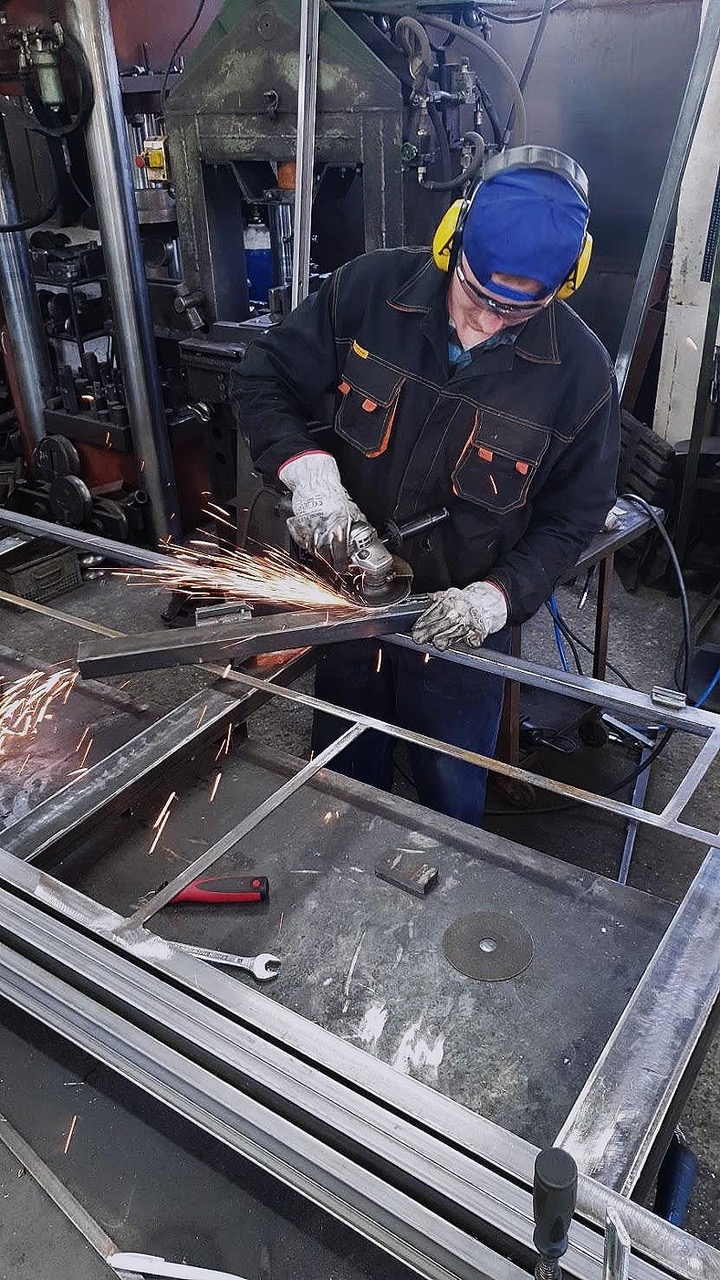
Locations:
448 236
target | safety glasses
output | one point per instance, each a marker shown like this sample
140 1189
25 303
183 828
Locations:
507 310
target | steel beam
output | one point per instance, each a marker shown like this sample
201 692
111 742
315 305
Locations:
619 1113
605 803
413 1160
470 1133
240 640
62 820
124 553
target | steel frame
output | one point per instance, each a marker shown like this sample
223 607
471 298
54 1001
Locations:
683 975
131 1000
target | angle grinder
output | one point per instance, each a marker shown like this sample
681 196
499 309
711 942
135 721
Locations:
377 575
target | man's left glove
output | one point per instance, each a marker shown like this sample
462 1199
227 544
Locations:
471 614
323 510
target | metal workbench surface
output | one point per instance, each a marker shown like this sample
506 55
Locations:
364 959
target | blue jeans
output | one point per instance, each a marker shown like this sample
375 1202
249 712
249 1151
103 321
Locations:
437 698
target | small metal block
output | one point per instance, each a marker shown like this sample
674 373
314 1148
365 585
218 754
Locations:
416 877
670 698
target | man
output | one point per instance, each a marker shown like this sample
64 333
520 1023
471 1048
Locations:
478 391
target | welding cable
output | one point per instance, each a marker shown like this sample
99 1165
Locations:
462 33
175 52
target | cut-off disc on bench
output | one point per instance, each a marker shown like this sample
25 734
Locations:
488 946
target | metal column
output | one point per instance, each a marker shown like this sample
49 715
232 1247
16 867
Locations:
29 353
110 167
305 155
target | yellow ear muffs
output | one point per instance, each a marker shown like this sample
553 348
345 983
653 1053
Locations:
447 230
579 271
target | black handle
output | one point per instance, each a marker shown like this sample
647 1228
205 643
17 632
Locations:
554 1197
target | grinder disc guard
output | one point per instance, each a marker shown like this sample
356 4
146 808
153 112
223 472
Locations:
396 587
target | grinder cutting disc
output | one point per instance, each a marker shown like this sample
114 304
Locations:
393 590
488 946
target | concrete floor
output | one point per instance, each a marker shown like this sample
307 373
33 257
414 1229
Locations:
645 633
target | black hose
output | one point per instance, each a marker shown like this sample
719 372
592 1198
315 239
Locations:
684 604
462 33
491 113
527 17
175 52
45 121
468 175
407 28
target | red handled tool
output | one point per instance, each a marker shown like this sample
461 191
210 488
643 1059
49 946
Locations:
225 889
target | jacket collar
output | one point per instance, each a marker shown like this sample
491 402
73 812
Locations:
425 291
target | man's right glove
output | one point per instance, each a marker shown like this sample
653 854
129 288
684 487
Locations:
323 510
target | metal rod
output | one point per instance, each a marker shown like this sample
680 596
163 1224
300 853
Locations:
694 776
28 348
305 152
111 171
57 615
56 1190
688 116
124 553
665 1016
637 799
241 639
243 828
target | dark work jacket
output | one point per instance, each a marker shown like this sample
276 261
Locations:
521 445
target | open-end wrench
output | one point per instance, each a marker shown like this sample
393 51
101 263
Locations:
262 967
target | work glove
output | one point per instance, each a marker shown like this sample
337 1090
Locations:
323 510
471 614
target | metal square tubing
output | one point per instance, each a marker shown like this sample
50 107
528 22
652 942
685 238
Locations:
633 1082
605 803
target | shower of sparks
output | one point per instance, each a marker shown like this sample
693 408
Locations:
203 713
215 786
208 568
69 1138
224 748
378 664
26 703
426 659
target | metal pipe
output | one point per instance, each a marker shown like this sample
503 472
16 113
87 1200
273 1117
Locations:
110 168
28 348
305 154
124 553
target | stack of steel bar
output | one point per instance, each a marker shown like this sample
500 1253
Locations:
438 1187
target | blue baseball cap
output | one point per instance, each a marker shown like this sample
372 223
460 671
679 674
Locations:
524 222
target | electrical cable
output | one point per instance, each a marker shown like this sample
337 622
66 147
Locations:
630 778
175 52
530 60
707 691
550 606
684 604
573 636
